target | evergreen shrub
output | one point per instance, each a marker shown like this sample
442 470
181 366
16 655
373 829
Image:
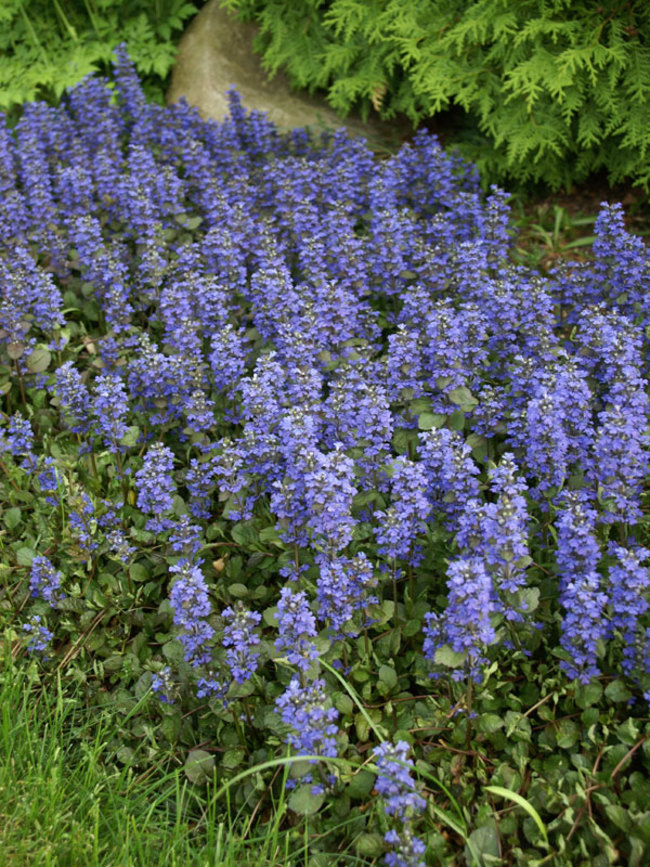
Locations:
554 89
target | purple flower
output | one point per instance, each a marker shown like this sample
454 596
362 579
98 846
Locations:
39 635
451 471
329 491
404 364
104 264
185 538
189 599
581 596
45 581
82 520
342 589
119 546
402 801
465 624
629 582
241 640
304 707
110 406
19 439
358 416
73 397
394 781
163 685
297 626
228 358
156 486
48 480
407 850
619 464
405 518
497 532
621 259
262 392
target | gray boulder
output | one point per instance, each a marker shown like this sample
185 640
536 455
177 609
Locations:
216 52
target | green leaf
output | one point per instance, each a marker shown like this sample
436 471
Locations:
241 690
528 599
131 437
239 591
478 445
173 651
484 843
113 663
364 497
370 845
12 517
344 704
124 755
304 802
39 360
15 350
402 440
362 727
233 758
619 816
430 420
171 727
270 536
24 556
199 767
628 732
270 616
463 397
588 694
617 691
245 533
411 628
188 221
360 785
140 571
70 603
456 420
450 658
490 722
388 675
567 734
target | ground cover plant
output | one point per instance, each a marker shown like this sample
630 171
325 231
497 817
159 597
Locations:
339 507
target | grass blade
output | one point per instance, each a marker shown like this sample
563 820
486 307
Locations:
523 803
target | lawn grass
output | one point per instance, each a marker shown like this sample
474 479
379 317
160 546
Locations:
65 801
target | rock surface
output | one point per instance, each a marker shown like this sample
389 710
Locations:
216 52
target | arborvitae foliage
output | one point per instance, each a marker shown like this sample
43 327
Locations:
46 46
560 88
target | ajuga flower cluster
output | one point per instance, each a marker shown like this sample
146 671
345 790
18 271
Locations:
288 416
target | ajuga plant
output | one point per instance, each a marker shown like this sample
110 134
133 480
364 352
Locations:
555 89
46 46
299 469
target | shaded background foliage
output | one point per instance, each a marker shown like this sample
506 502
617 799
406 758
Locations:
49 45
544 90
